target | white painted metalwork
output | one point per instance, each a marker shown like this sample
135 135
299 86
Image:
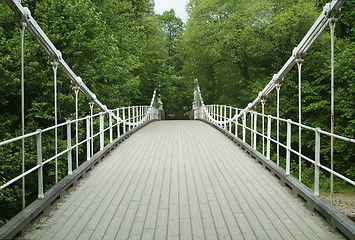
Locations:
147 113
299 64
332 28
219 119
55 68
215 119
22 35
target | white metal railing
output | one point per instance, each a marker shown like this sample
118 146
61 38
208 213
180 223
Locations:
127 118
217 114
224 117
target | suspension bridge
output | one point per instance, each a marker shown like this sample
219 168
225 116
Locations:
153 179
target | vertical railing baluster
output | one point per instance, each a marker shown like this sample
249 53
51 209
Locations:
213 112
110 125
70 164
22 35
252 129
236 122
263 122
133 115
140 113
221 115
92 127
278 123
118 122
124 120
230 119
217 115
299 64
55 68
88 142
129 118
244 125
102 139
268 137
288 150
39 162
332 117
225 117
316 163
255 130
76 126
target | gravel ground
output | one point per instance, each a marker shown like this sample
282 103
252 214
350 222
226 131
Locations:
344 203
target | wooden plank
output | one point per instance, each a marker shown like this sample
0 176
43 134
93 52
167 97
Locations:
180 180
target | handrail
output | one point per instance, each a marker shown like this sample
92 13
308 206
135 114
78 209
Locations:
131 119
211 115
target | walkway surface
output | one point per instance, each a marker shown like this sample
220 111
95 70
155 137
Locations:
179 180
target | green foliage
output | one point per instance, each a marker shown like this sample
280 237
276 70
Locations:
123 52
176 91
114 46
234 47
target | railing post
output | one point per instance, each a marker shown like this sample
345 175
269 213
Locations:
236 122
225 117
70 164
144 114
288 150
134 115
268 137
39 162
102 139
251 129
317 163
244 125
230 119
129 118
217 115
88 142
118 122
124 120
221 115
263 122
255 129
213 112
110 124
140 113
278 85
92 127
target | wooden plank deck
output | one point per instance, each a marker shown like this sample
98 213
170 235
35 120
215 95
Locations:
179 180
